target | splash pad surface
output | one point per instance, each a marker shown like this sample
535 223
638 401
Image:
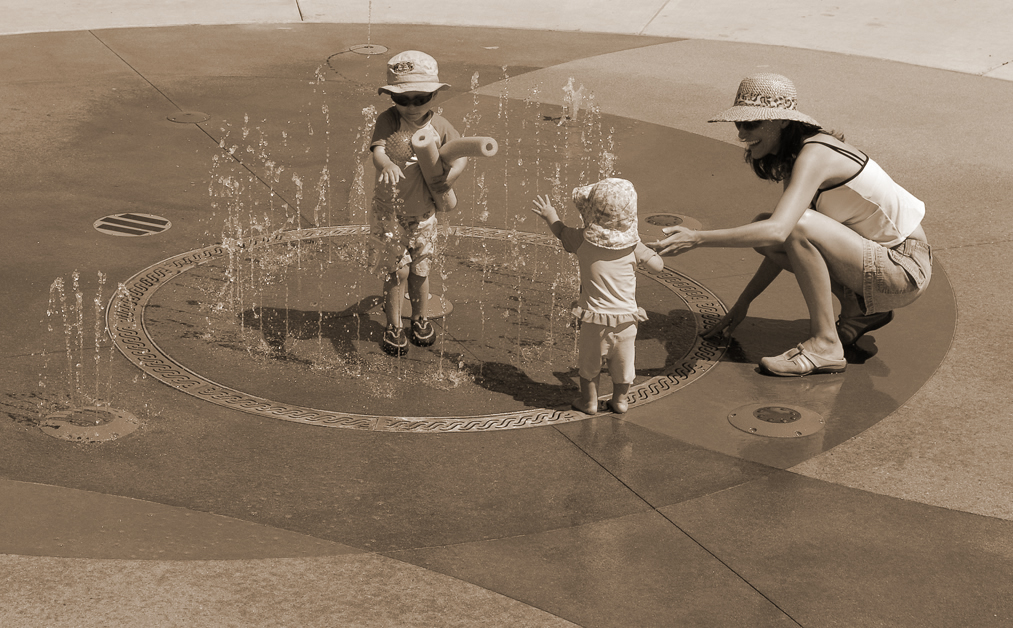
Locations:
294 159
283 150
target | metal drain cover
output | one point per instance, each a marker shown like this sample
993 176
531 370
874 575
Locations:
651 225
188 117
776 420
131 225
368 49
90 424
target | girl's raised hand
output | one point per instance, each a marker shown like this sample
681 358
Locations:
543 207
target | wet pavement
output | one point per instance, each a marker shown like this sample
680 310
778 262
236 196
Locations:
276 469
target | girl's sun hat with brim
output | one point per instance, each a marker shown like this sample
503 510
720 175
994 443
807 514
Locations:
412 71
609 210
765 97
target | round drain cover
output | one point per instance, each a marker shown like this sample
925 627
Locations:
132 225
184 117
651 225
90 424
368 49
776 420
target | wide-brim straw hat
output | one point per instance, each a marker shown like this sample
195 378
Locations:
765 97
609 210
412 71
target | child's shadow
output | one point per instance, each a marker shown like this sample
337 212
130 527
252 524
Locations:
340 328
510 380
673 332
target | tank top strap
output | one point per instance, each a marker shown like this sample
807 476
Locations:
860 158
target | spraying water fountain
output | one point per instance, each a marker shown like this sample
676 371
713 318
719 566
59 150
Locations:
75 388
280 316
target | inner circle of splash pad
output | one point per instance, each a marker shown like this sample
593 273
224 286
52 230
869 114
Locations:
289 329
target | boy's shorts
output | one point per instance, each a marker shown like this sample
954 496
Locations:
399 241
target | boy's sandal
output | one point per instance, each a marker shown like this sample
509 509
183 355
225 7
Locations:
849 330
799 362
394 341
422 332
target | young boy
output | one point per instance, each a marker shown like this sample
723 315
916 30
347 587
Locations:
403 225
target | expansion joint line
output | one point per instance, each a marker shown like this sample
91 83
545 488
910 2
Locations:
135 71
306 223
653 17
680 529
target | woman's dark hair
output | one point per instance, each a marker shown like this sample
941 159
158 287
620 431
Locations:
777 166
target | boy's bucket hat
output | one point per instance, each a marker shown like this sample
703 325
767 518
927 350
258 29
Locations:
764 97
412 71
609 210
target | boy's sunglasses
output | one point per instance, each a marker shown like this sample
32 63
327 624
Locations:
414 101
748 126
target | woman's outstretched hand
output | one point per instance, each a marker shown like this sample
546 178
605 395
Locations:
724 327
679 240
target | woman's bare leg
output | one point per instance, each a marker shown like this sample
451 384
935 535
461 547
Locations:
815 247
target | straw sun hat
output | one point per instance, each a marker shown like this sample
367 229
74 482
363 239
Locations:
609 210
764 97
412 71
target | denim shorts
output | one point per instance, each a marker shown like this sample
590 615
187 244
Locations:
895 277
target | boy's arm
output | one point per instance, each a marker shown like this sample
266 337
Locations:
453 169
456 168
390 173
442 183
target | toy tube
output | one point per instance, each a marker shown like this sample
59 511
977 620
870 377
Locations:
468 147
426 145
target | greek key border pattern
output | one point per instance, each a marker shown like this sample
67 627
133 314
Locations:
126 326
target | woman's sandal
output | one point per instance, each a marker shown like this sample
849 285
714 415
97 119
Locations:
849 330
799 362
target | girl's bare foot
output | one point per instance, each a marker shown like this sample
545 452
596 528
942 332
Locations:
587 407
619 406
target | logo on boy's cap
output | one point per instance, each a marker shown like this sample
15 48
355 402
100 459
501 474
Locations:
402 67
412 71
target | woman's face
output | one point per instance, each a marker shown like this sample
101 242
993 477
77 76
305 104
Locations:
761 137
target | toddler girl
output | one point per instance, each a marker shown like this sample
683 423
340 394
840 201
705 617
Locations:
608 251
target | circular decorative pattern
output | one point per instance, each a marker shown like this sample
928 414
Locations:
132 225
89 424
778 421
126 324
